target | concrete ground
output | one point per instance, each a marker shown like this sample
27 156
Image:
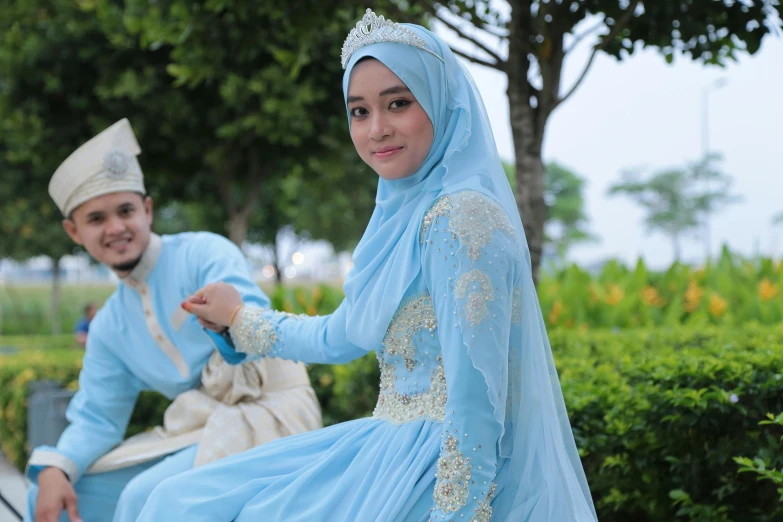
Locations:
13 488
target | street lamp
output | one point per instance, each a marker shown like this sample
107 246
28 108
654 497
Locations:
705 147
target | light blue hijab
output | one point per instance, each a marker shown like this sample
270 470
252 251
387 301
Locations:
543 478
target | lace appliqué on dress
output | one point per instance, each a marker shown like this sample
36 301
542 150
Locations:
253 333
477 287
396 407
441 208
414 316
484 509
453 473
475 219
516 306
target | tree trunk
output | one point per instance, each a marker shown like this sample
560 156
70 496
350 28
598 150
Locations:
528 165
527 132
239 211
237 228
530 195
55 298
278 274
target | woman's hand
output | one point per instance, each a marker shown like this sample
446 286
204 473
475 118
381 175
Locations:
214 305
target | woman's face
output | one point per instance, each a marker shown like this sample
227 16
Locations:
389 128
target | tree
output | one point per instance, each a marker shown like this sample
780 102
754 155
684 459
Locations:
566 218
539 35
261 105
31 227
676 200
236 131
53 61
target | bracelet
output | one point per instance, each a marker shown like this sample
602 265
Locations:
234 315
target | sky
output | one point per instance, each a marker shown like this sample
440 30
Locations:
643 112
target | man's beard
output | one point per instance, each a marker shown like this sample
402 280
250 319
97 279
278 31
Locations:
127 266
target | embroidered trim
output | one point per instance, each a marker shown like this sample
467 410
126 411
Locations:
414 316
516 306
475 219
477 287
484 509
253 333
397 408
441 208
453 476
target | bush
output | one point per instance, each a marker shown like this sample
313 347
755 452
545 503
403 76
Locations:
345 392
659 416
730 291
659 431
24 310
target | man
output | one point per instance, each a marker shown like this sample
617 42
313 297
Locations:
83 325
141 339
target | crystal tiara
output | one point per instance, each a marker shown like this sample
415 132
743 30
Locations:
374 29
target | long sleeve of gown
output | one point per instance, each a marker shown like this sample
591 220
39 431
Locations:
469 271
98 414
259 332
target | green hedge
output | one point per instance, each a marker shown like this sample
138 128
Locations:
25 310
659 416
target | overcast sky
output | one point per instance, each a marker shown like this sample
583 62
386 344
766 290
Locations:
643 112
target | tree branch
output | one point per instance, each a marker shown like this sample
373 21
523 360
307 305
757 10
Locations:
471 39
495 31
478 61
580 37
619 26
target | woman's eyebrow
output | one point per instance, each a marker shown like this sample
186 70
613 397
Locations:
391 90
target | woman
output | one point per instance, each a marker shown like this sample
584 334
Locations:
470 422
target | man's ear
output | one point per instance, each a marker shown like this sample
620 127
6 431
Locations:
72 231
148 207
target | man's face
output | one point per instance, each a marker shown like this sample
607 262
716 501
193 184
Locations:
91 311
114 228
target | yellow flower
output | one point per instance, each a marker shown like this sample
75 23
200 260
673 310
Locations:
615 295
554 313
593 291
717 306
651 296
693 296
767 290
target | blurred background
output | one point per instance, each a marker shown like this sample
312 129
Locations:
641 139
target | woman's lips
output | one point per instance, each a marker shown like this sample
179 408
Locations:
387 152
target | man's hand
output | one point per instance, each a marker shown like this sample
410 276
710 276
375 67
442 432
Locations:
55 495
214 305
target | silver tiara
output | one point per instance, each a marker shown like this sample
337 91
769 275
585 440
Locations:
375 29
